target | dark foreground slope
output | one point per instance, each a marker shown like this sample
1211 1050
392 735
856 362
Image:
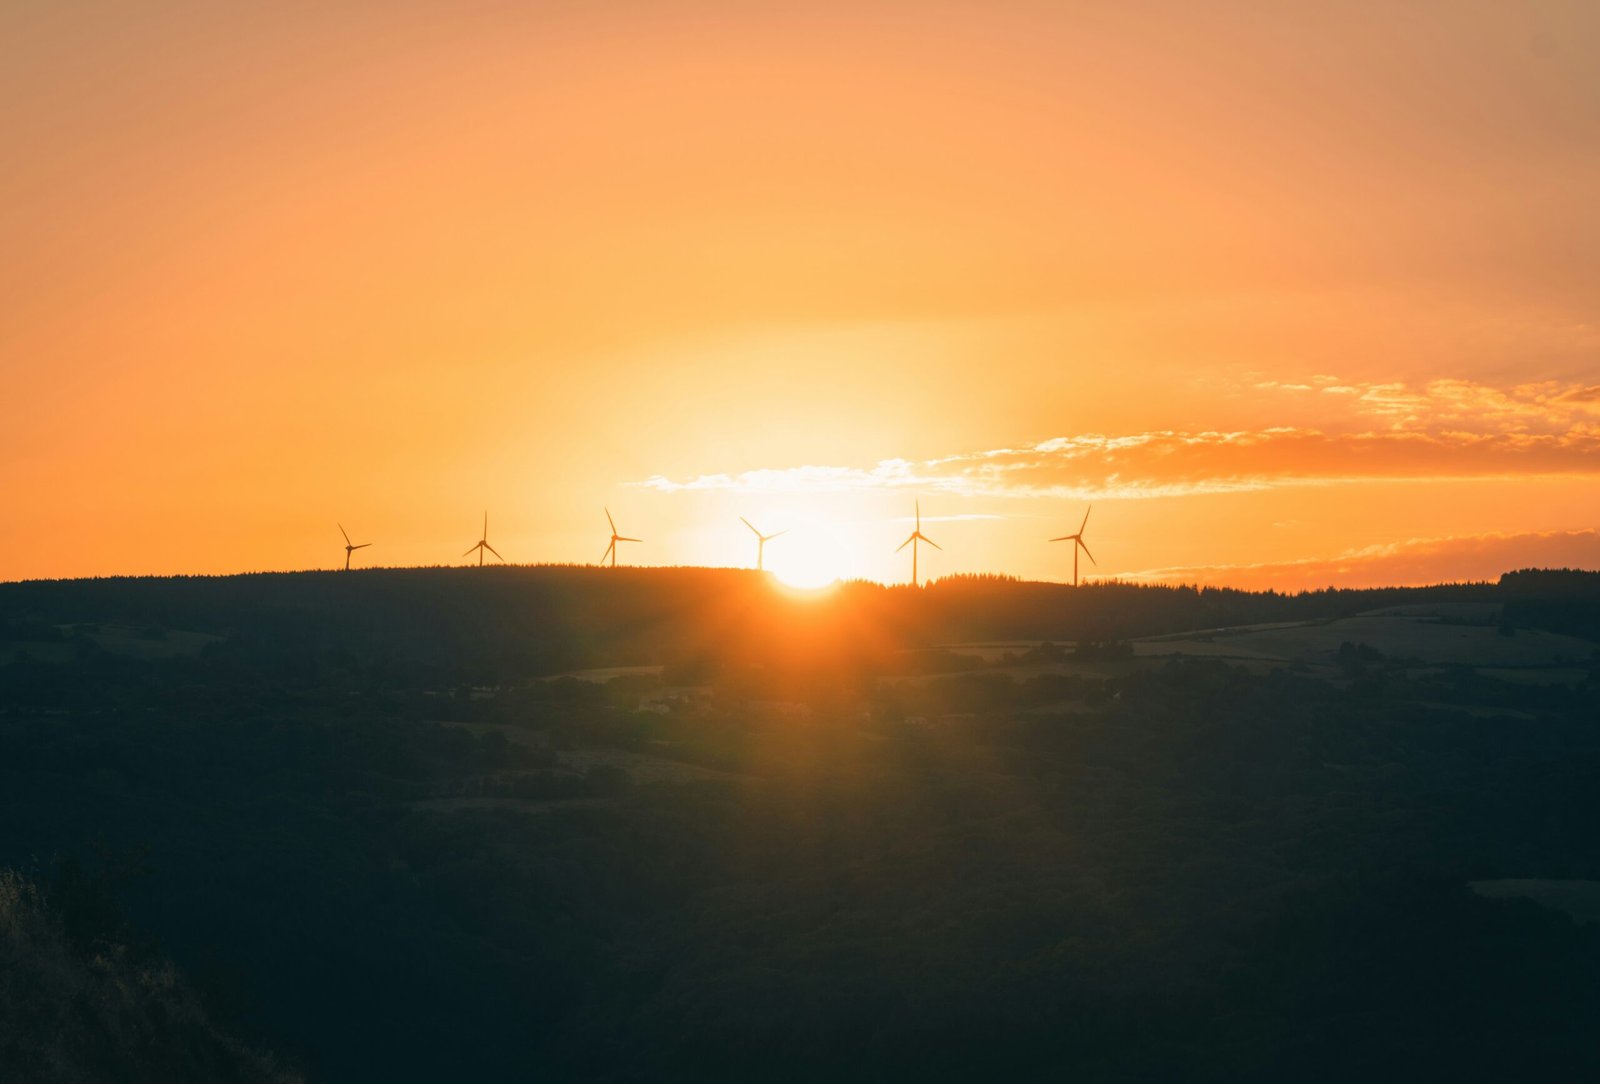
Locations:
79 1004
383 845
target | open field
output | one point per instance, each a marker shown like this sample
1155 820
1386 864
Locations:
1398 636
601 675
139 642
1419 636
148 642
1413 634
642 767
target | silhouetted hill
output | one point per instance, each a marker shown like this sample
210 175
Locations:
388 846
430 624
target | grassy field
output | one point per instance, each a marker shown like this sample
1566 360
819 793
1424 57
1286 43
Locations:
1424 635
1417 634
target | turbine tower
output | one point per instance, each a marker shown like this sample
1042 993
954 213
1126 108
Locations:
483 544
350 547
611 550
917 536
761 540
1077 544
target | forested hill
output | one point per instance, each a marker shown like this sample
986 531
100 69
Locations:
548 619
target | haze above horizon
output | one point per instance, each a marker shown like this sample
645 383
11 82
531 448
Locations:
1294 295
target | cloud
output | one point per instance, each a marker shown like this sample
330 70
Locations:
1412 562
1447 429
1547 406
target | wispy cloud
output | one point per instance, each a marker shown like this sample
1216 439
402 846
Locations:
964 517
1447 429
1543 406
1414 561
1590 394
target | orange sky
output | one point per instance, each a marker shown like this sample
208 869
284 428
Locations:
1294 293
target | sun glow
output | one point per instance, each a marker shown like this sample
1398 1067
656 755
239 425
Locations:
813 558
805 573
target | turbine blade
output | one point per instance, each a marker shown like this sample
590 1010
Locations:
932 543
469 552
1064 538
346 536
906 543
780 534
363 546
919 517
486 525
607 553
494 551
1085 522
750 525
625 538
611 521
1086 550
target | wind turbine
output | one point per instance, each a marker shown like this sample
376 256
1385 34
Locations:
761 539
483 544
611 550
1077 544
350 547
917 536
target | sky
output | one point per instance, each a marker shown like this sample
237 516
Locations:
1291 295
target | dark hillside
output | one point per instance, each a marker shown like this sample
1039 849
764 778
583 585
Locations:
503 622
385 844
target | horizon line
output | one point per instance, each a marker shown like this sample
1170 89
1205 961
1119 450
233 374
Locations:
1103 581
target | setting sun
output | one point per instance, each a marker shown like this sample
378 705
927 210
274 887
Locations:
812 555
